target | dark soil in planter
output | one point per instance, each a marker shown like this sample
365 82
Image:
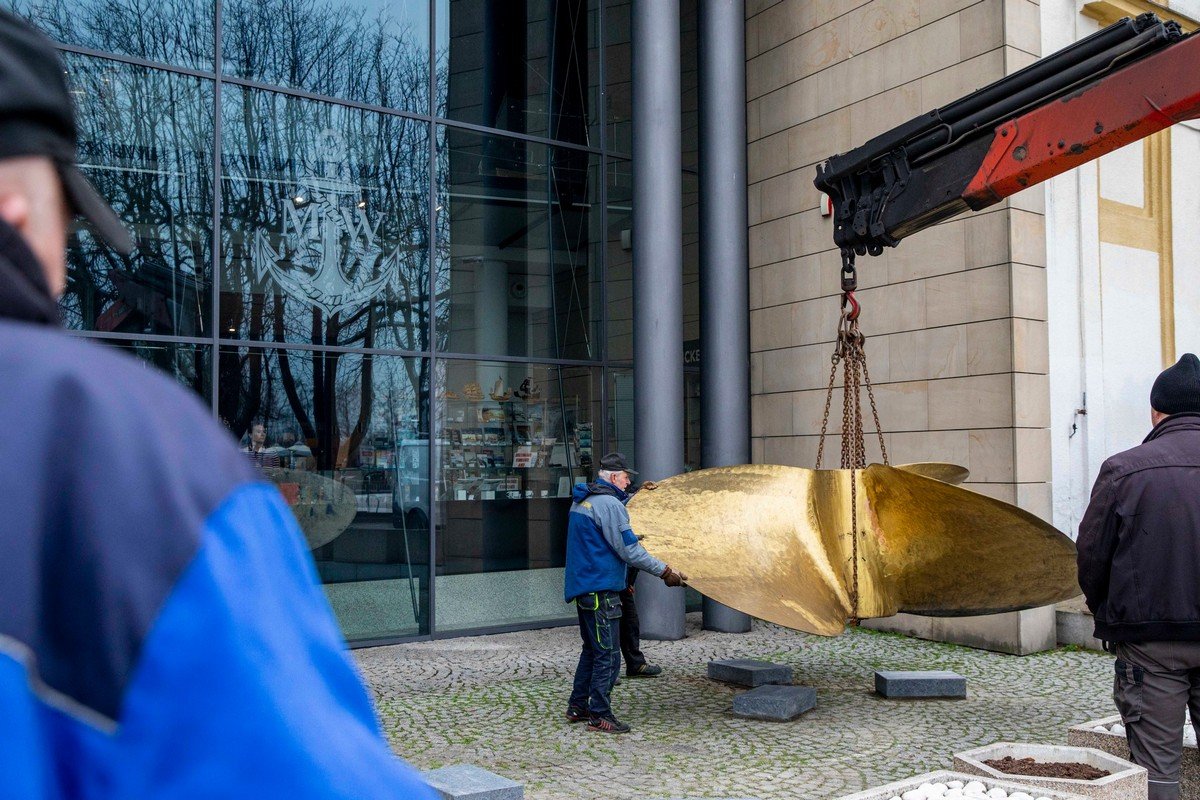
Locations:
1047 769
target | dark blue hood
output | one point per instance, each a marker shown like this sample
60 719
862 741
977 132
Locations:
583 490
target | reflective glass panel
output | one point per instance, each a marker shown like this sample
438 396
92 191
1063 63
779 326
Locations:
619 251
370 51
620 410
324 234
190 364
528 66
178 32
691 256
517 266
513 439
618 76
145 141
345 437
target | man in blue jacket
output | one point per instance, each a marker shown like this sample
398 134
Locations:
601 545
162 631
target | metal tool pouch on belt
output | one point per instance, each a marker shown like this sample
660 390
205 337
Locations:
850 352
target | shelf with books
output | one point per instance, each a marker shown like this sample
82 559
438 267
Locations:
511 449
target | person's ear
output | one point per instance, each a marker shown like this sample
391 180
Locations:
14 209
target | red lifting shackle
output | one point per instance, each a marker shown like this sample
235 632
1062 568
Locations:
848 297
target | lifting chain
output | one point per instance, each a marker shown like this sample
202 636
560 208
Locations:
850 352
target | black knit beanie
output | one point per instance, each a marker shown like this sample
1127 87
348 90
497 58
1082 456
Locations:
1177 388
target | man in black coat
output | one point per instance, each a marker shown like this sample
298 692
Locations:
1139 567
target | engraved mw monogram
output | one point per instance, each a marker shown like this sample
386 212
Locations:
329 254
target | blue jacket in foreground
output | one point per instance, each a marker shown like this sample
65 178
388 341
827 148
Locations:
162 630
601 542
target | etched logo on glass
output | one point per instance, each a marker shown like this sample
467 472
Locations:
329 254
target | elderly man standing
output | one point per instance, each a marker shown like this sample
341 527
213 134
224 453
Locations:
601 545
1139 563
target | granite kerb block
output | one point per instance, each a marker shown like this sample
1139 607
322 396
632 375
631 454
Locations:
468 782
748 672
775 703
927 684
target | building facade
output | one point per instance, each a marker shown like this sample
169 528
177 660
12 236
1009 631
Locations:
389 244
399 237
1021 341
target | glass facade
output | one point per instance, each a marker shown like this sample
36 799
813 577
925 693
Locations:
390 244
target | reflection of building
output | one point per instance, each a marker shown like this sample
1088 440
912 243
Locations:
403 244
408 245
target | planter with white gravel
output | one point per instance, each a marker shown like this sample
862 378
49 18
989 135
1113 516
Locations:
949 785
1125 781
1108 734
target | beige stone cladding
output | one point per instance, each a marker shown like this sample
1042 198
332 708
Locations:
956 315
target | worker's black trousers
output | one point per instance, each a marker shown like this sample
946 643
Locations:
631 633
1155 682
600 658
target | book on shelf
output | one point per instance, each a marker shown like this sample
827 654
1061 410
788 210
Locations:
524 456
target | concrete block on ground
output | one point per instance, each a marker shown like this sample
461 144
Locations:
934 683
1074 624
775 703
1125 781
723 619
898 788
1087 735
467 782
748 672
1018 633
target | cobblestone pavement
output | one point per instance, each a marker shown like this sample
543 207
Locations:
497 702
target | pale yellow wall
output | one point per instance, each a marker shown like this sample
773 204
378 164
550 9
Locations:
955 315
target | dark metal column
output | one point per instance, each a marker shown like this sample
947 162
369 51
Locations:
724 270
657 277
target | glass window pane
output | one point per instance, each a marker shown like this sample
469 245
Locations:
345 437
528 66
178 32
621 409
325 227
190 364
619 252
516 263
145 141
618 76
370 51
513 439
691 256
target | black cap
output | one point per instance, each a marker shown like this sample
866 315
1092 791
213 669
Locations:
1177 388
615 462
37 119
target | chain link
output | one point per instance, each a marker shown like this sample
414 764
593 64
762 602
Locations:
850 353
834 359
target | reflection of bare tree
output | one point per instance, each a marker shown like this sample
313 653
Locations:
295 171
337 49
170 31
145 141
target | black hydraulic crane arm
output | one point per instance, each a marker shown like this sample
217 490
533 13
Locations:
1118 85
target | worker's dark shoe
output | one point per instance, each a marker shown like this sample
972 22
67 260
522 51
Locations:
644 671
609 724
577 714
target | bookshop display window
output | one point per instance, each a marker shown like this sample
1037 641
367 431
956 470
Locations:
513 439
389 244
344 436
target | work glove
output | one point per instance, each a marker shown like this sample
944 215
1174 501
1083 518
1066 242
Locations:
648 485
672 578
